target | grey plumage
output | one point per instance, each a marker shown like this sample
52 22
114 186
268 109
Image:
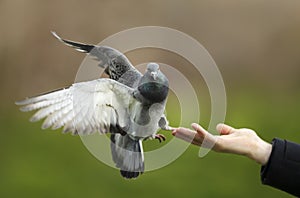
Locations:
129 105
116 64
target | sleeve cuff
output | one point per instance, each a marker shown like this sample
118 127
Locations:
283 168
277 154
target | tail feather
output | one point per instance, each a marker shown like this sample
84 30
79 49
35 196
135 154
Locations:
127 155
129 175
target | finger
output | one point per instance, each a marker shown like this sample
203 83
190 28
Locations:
184 134
224 129
207 140
202 132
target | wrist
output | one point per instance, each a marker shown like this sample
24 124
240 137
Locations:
263 152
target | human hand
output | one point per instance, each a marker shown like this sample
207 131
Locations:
237 141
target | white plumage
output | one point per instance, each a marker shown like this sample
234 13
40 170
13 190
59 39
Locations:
83 108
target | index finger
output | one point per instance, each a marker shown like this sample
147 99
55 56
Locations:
185 134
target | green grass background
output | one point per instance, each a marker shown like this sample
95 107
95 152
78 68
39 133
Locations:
37 163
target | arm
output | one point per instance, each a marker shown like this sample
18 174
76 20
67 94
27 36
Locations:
280 161
283 168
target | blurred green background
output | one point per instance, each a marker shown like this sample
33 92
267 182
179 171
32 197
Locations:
256 45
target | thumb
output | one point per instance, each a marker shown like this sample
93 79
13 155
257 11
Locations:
199 129
224 129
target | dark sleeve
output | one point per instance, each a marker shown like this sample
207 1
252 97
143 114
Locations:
283 168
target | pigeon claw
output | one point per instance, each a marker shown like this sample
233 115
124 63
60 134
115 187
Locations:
160 137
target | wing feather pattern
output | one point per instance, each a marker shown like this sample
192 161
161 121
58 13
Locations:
83 108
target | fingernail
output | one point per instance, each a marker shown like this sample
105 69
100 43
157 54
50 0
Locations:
219 126
195 126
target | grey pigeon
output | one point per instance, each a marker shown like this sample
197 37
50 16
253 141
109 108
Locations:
130 106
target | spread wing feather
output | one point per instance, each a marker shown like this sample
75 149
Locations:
84 107
115 63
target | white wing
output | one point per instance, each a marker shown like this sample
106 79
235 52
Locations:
83 108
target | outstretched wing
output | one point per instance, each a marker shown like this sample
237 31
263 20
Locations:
115 63
83 108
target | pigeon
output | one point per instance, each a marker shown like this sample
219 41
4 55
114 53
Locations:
128 105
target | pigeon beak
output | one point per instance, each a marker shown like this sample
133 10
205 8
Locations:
154 75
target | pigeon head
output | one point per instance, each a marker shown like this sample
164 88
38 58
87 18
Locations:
154 85
153 68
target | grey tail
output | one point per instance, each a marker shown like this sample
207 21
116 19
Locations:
81 47
127 155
